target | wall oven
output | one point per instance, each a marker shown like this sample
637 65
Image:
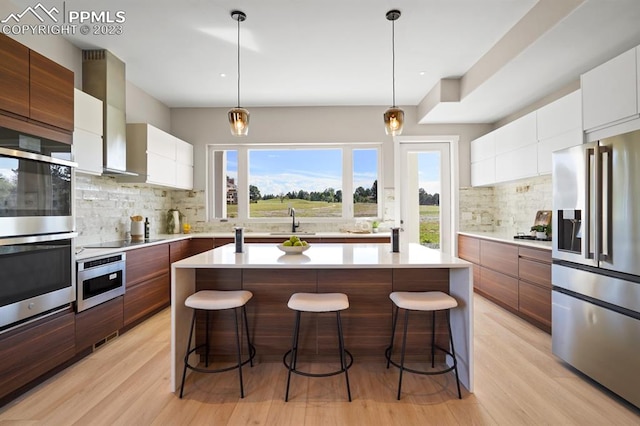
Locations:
100 279
37 276
36 185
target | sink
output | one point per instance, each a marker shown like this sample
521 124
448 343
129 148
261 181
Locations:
292 233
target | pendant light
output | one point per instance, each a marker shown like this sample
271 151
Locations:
394 116
239 117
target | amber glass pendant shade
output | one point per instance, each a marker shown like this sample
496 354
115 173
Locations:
239 121
393 121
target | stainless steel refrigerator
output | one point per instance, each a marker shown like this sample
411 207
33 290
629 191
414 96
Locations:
596 261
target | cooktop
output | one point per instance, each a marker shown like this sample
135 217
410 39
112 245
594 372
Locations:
121 243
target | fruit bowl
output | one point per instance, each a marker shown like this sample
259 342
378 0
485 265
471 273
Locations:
293 249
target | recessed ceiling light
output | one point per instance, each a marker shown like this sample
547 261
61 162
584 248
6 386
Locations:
421 73
222 75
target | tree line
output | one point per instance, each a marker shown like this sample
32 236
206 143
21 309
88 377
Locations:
330 195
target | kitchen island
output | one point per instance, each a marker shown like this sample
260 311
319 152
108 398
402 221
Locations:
367 273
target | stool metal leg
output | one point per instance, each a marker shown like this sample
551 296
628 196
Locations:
235 315
246 329
433 339
186 357
206 351
294 353
404 345
453 352
343 358
393 333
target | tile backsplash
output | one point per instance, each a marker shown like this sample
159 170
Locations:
104 206
508 207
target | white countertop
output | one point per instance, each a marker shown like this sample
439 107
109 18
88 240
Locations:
83 253
331 255
508 238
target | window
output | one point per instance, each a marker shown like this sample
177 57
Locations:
262 182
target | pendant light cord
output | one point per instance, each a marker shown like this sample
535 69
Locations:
393 60
238 63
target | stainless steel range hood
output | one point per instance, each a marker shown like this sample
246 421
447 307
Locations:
103 76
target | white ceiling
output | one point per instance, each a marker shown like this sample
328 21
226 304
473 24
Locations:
338 52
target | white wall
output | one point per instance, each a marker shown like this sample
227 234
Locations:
203 126
144 108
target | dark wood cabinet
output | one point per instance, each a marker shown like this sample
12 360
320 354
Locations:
14 76
95 325
36 88
179 250
50 92
199 245
516 277
35 349
148 282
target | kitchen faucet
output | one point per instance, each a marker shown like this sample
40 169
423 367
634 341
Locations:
292 213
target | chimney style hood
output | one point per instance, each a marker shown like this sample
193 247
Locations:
103 76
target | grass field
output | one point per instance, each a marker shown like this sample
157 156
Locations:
304 208
429 215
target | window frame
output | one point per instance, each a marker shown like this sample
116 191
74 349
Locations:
242 181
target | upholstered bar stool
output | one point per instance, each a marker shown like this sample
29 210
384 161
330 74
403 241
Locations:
216 300
317 302
430 301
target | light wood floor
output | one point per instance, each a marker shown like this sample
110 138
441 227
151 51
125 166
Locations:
518 382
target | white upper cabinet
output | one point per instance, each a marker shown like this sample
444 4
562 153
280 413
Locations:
523 147
483 160
87 134
517 134
158 157
560 116
610 92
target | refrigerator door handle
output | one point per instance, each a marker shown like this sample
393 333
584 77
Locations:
589 203
604 203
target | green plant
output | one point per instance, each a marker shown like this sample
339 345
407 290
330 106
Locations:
375 224
541 228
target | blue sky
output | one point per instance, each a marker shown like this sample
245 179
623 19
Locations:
281 171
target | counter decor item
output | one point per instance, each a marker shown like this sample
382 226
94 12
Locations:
374 226
137 228
173 221
542 231
294 245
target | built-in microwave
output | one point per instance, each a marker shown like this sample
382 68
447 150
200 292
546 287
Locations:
36 185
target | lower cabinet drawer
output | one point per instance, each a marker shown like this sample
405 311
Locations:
98 322
143 299
502 288
535 302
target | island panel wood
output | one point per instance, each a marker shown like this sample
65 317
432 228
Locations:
270 320
420 323
221 323
366 323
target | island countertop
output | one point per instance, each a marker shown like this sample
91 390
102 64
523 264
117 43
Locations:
366 272
327 255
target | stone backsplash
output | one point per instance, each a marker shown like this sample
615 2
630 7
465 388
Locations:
508 207
104 206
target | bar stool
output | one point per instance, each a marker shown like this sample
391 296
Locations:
216 300
317 302
430 301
